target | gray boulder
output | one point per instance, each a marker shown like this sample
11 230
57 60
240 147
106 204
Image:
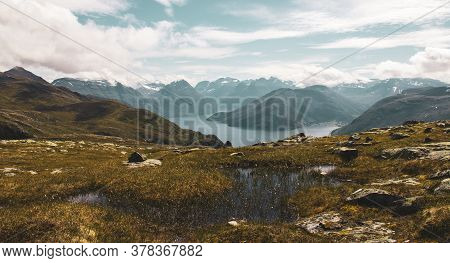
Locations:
440 175
136 158
373 198
347 154
343 229
407 153
354 137
408 206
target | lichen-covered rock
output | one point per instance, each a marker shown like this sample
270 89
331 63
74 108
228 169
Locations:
405 181
440 175
338 227
437 223
373 197
408 206
354 137
407 153
444 187
146 163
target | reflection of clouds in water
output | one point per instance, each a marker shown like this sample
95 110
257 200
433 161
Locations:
262 194
243 137
258 195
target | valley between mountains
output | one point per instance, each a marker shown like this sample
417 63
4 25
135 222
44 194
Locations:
79 167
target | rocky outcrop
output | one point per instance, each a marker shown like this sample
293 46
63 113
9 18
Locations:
373 197
437 223
338 227
433 151
146 163
440 175
408 206
444 187
407 153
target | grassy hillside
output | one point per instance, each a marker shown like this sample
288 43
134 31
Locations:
423 104
39 180
39 109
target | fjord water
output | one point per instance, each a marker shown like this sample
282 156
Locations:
243 137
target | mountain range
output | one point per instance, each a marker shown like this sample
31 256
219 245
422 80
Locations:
229 87
33 108
289 109
101 89
368 93
387 101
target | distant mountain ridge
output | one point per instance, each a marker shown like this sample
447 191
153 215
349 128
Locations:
274 111
101 89
370 92
422 104
230 87
179 98
30 108
19 72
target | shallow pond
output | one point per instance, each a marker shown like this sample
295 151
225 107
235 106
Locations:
262 195
258 195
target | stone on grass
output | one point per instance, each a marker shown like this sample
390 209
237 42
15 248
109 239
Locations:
408 206
428 130
136 158
444 187
354 137
347 154
369 139
437 223
373 197
342 229
238 154
440 175
146 163
407 153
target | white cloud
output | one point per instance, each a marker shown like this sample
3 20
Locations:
436 37
222 36
29 44
430 63
301 74
92 6
343 15
168 4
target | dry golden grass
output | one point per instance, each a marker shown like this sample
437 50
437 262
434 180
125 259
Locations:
35 206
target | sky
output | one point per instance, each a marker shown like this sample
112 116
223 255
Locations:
144 41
